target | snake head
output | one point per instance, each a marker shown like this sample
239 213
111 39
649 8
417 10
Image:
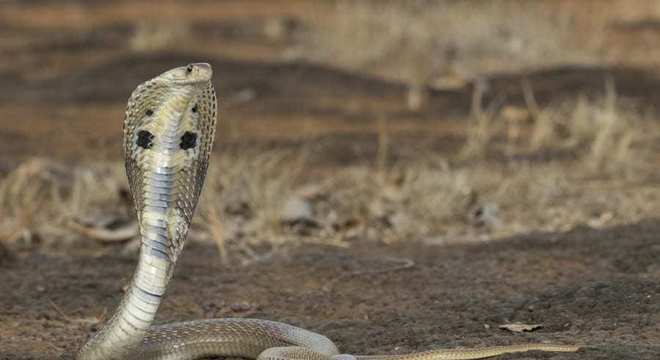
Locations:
168 135
196 73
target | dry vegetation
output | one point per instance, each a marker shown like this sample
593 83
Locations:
445 43
255 202
520 169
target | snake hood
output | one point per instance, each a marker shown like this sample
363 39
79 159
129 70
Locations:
168 135
169 129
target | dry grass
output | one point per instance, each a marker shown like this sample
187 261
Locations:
40 197
244 195
383 150
607 135
426 42
433 199
604 131
481 127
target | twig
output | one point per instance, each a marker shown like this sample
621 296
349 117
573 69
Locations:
383 144
215 227
69 319
530 99
59 311
125 233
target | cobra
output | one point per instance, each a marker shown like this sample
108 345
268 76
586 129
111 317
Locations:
169 129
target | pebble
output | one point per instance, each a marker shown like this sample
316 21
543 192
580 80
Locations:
297 210
240 307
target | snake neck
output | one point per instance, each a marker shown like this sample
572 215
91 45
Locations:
162 144
162 232
124 332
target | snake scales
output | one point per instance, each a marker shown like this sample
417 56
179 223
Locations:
168 134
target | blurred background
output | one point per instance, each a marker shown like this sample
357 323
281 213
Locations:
347 125
341 121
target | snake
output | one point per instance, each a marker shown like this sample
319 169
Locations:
168 133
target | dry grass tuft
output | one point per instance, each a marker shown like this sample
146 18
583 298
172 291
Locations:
244 195
481 127
39 197
604 131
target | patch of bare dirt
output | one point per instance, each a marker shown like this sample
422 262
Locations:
595 287
265 101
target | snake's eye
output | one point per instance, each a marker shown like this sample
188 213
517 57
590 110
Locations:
145 139
188 140
189 68
149 112
194 108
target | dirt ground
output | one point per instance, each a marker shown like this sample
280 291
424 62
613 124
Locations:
596 287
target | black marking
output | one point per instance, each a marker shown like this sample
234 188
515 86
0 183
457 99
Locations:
188 140
149 293
149 112
126 332
145 139
160 254
194 108
189 68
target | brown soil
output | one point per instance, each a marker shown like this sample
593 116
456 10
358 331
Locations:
289 103
598 288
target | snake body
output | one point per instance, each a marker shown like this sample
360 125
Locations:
169 129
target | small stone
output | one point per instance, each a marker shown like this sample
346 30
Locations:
296 211
240 307
520 327
601 220
487 216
